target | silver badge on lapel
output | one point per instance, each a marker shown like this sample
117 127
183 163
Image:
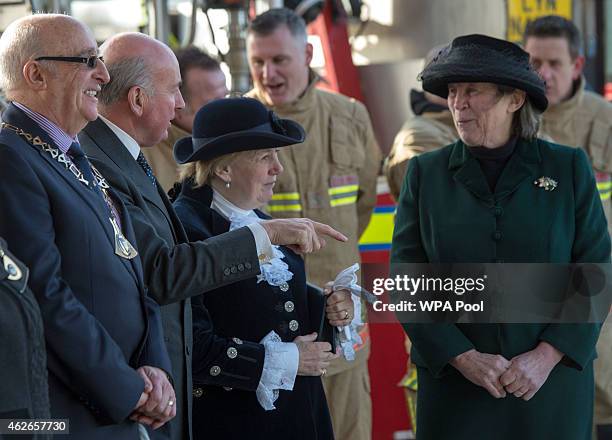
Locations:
546 182
123 247
14 272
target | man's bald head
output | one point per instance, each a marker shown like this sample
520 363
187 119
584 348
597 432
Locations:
143 94
133 59
61 88
33 36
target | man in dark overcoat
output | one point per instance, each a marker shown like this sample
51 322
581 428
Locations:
136 108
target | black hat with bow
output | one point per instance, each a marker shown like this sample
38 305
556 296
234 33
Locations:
230 125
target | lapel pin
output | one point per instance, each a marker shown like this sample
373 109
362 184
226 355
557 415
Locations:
546 182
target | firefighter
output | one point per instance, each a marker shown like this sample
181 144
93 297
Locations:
431 127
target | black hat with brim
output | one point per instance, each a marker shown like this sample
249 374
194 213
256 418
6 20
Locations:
231 125
480 58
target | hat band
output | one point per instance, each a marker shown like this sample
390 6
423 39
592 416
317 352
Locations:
263 128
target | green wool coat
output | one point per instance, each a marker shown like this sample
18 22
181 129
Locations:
447 213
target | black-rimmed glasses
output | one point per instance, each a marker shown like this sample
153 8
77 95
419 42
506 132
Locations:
91 61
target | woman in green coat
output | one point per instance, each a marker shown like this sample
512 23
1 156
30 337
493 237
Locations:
499 195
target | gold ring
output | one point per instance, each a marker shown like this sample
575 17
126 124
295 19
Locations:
170 402
323 371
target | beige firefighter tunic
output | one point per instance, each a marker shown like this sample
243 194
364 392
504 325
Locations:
585 121
427 132
331 178
161 159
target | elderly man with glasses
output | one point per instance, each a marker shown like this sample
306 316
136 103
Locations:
106 359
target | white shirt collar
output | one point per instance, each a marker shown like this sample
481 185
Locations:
227 208
127 140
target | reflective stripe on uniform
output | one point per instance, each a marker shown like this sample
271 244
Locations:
343 195
604 185
286 196
285 202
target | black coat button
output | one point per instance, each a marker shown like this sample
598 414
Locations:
226 271
247 265
497 235
498 211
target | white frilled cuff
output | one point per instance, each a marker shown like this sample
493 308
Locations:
279 371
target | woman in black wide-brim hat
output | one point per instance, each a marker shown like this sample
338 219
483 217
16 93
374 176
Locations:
499 195
256 365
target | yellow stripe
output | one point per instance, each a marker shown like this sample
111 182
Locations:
343 201
343 189
380 229
604 185
286 196
604 196
280 208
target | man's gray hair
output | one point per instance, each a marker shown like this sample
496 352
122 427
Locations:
125 74
20 42
268 22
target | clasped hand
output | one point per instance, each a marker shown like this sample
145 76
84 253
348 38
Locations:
339 307
157 403
314 356
522 376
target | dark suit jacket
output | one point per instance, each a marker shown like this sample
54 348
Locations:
228 360
99 324
174 269
23 361
447 213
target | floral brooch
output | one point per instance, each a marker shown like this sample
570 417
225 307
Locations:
546 182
